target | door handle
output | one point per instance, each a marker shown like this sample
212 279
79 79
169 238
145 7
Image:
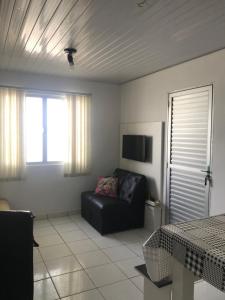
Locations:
208 179
208 172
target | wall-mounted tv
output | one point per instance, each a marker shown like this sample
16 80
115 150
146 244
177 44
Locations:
134 147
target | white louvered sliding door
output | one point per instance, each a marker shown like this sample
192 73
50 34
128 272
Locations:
189 153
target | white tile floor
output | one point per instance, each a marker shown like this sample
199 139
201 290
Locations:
74 262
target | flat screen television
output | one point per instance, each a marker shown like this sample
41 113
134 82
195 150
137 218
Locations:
134 147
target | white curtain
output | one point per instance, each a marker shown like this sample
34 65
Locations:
12 161
78 144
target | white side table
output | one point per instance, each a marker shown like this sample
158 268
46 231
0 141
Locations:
153 215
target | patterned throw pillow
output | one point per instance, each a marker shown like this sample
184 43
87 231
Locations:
107 186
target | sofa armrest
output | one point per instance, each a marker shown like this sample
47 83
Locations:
16 227
16 252
4 205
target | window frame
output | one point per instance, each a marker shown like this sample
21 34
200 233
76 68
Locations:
44 97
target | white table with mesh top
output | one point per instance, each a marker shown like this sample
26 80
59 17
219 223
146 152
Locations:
186 252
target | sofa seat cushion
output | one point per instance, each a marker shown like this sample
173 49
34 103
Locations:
104 202
106 214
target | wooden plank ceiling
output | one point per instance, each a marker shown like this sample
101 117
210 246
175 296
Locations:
116 40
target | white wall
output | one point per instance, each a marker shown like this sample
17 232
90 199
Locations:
45 190
145 100
154 130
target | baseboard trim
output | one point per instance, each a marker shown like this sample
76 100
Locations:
57 214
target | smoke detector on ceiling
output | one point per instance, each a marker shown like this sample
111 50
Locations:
70 52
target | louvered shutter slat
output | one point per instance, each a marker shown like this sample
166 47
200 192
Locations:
188 154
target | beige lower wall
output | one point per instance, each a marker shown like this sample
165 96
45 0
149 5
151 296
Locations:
145 100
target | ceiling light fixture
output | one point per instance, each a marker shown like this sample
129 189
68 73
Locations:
70 52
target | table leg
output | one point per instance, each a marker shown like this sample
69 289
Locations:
183 282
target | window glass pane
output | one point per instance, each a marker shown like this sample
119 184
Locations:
55 129
34 129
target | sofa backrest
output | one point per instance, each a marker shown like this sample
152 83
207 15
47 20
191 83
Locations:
131 186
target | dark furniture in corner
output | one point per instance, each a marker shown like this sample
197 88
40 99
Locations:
16 254
108 214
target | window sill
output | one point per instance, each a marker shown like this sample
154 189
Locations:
43 164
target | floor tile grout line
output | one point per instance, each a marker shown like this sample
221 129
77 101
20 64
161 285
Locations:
65 272
101 249
59 243
60 234
83 268
43 260
77 294
114 264
88 238
73 222
47 272
101 265
92 289
91 238
127 279
96 287
123 270
135 284
51 278
79 226
75 256
111 283
100 292
56 246
120 259
134 252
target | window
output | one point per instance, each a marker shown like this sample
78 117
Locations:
59 129
45 129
